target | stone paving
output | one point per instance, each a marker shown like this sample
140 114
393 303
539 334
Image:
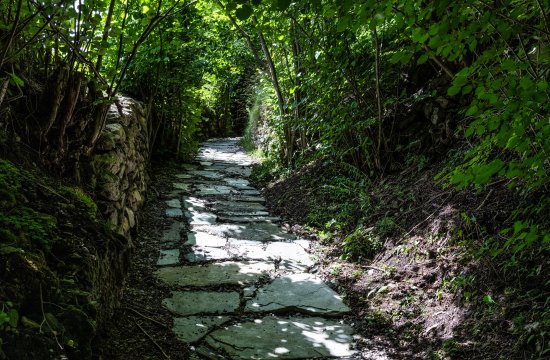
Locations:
241 287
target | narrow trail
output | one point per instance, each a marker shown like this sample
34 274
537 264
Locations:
240 284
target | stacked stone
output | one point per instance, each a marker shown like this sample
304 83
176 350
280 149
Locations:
119 164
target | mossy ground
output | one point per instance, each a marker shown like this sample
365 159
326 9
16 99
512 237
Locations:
50 243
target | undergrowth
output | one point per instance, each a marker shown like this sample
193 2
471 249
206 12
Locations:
500 274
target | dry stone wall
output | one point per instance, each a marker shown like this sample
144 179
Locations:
119 165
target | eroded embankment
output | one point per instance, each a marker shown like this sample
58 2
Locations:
408 253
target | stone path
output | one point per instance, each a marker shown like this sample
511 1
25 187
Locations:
241 287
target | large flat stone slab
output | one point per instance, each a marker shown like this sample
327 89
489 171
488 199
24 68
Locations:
202 302
182 186
174 212
298 292
292 252
249 219
227 273
237 183
200 217
173 203
212 190
201 254
207 174
191 329
238 206
243 198
184 176
168 257
205 239
194 203
242 171
172 235
254 232
284 338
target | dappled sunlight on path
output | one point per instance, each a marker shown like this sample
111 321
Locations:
240 284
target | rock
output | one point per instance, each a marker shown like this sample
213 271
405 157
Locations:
205 239
168 257
200 254
227 273
173 234
254 232
298 292
206 174
193 328
202 302
182 186
249 219
284 338
209 190
173 212
130 216
174 203
200 218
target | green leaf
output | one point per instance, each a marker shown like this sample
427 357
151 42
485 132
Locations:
17 80
244 12
423 59
472 111
342 24
453 90
467 89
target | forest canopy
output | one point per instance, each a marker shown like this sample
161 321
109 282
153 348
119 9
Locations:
377 87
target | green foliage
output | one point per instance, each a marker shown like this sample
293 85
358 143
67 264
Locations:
385 226
82 199
9 316
267 171
21 225
361 244
30 225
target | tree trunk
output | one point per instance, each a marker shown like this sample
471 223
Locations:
378 156
3 90
106 30
57 97
73 93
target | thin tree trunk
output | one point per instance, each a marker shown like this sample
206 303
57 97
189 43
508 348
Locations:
12 33
58 96
3 90
106 30
280 99
378 99
70 105
273 73
246 36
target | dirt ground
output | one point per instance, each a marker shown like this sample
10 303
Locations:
141 327
425 295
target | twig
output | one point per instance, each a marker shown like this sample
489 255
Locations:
145 317
484 200
155 190
428 218
152 340
372 267
45 320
